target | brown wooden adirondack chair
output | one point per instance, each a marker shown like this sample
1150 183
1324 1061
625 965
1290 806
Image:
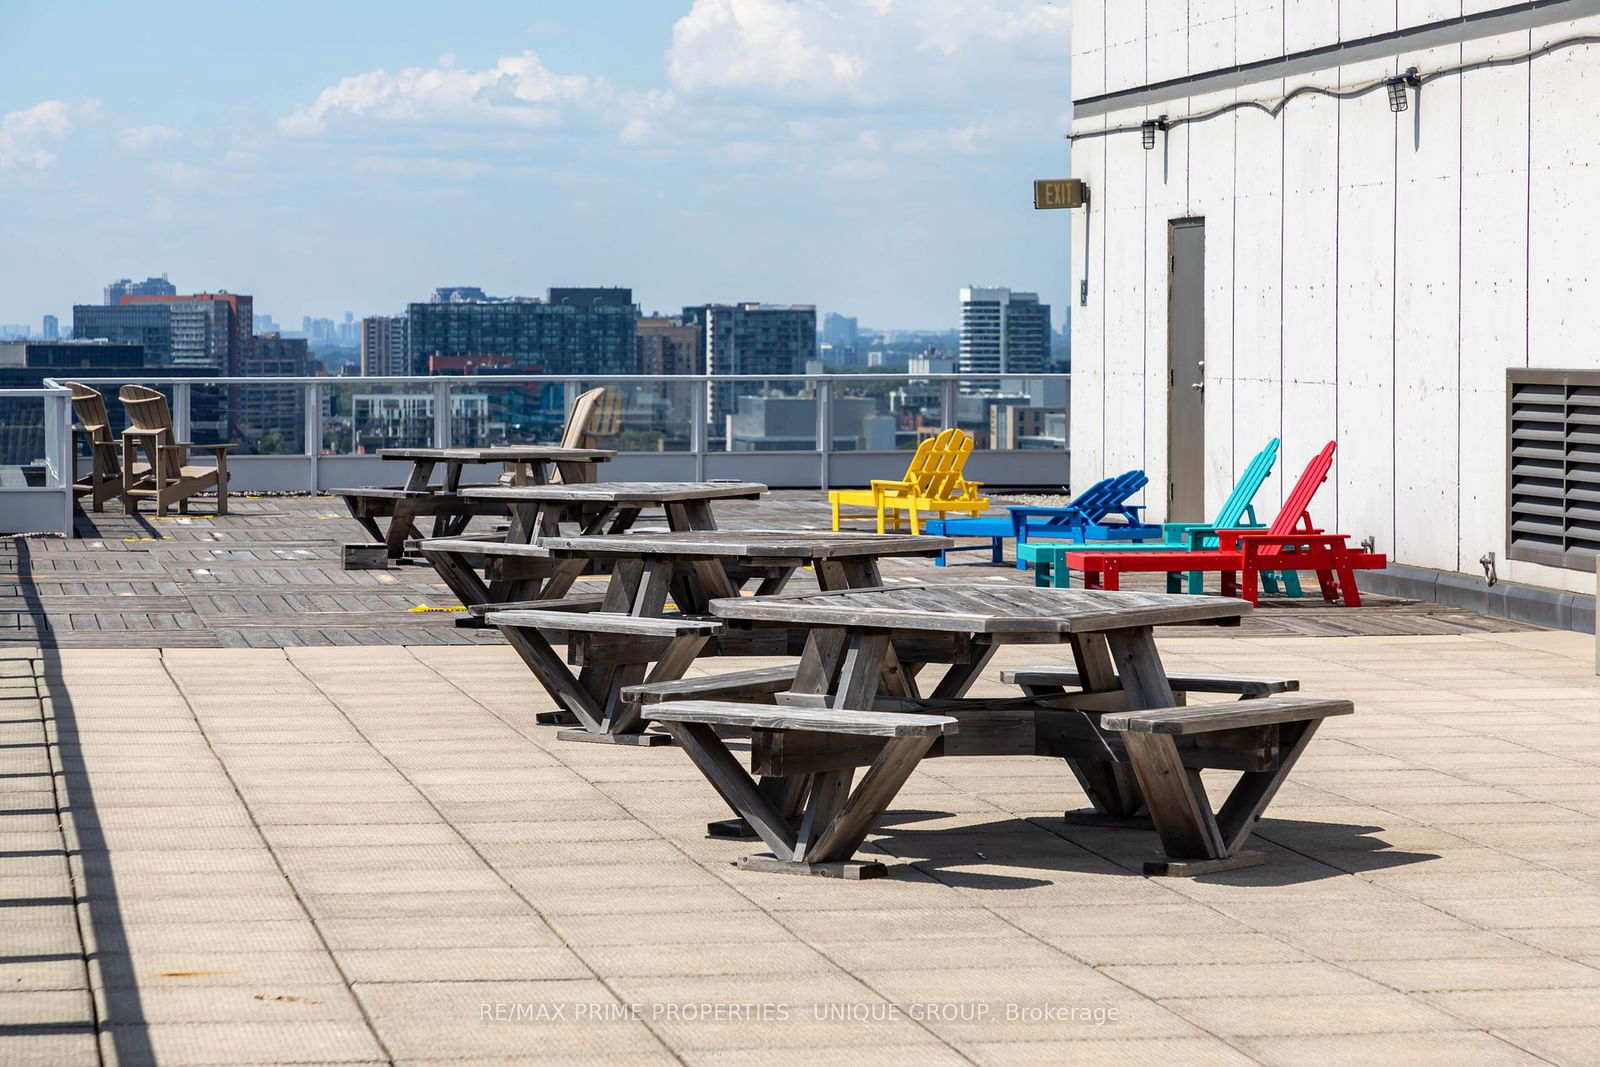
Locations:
595 412
168 479
104 479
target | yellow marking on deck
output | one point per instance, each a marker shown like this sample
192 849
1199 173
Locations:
421 609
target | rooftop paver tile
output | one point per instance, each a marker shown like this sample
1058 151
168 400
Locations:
443 932
1561 1044
1507 1008
1241 980
1511 914
1358 1013
670 900
826 1005
159 966
417 1020
220 937
894 924
1363 1050
259 1044
378 904
669 928
1436 975
882 1055
175 1001
1097 1051
705 958
45 1008
1164 949
462 964
1016 950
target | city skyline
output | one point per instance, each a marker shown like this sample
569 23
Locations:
810 151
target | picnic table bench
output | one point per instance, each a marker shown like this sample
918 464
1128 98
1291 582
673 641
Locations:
856 662
420 497
633 628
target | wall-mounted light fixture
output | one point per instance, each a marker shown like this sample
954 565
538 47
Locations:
1147 131
1399 89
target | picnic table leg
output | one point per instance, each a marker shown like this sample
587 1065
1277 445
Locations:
1111 787
597 680
553 674
1190 833
960 676
524 522
821 666
461 579
401 526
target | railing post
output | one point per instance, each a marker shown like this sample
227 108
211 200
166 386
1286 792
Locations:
313 433
698 405
182 394
65 463
948 418
824 395
441 413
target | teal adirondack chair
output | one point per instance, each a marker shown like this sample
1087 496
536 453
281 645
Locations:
1238 512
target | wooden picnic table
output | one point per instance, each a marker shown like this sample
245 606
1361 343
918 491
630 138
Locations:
864 653
521 569
634 628
420 496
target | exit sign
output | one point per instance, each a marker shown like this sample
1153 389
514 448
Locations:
1051 193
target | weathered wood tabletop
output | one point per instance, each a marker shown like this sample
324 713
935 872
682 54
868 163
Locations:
695 567
538 509
986 609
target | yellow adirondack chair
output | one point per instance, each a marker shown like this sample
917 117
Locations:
933 482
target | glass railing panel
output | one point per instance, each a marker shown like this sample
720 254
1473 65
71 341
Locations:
873 414
1016 414
650 415
24 451
774 415
361 417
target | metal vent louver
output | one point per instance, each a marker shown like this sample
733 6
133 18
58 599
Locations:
1553 477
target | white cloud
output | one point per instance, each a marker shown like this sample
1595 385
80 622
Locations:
865 50
731 45
25 136
144 138
518 91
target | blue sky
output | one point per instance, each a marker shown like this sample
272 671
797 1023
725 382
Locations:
868 156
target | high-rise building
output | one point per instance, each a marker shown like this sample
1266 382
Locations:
668 346
270 419
128 287
1002 332
383 346
840 330
52 328
26 364
767 339
575 331
208 329
146 325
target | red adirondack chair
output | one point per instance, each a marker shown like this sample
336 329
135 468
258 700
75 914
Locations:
1291 543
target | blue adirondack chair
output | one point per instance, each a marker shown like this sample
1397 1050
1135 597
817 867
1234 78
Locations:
1237 513
1082 518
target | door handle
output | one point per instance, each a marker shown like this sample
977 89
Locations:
1198 387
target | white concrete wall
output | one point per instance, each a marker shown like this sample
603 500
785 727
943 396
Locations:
1370 276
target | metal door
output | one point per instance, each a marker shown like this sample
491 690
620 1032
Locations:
1186 365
